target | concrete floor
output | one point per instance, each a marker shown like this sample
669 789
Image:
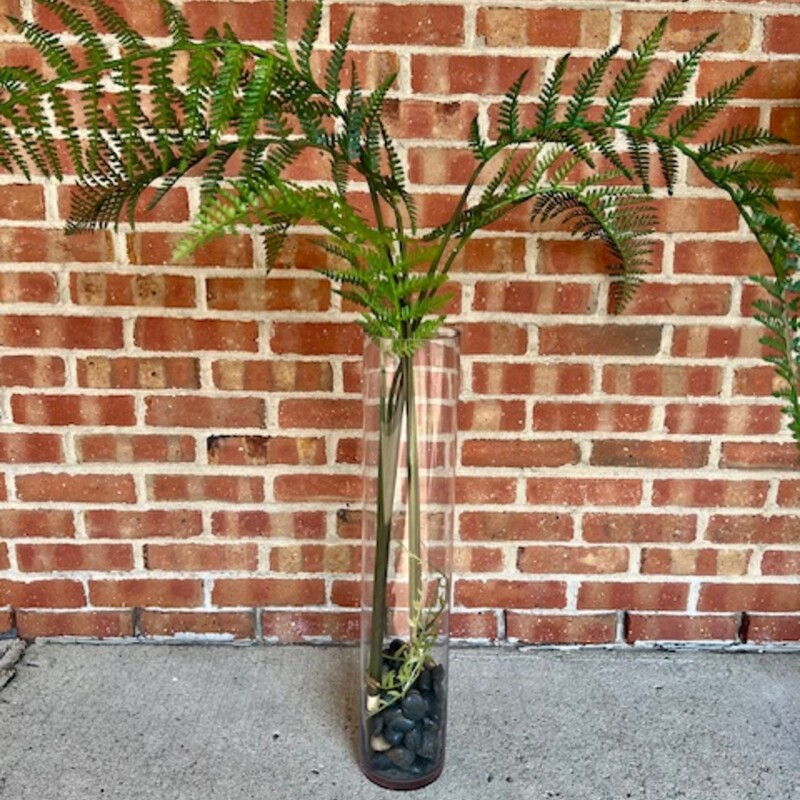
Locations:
214 722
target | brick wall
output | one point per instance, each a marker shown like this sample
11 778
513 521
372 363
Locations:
179 441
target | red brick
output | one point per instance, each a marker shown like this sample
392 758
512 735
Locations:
696 215
503 526
789 493
613 340
145 17
84 624
186 411
478 559
474 626
529 297
268 592
708 257
28 287
74 557
633 596
491 415
103 372
315 558
485 490
384 23
548 629
659 299
72 409
661 380
49 245
33 371
497 339
519 453
625 528
491 255
582 257
781 33
7 621
56 593
262 450
201 557
577 560
233 624
584 491
673 628
273 376
714 493
31 448
771 81
695 341
758 381
773 628
173 207
510 594
316 338
156 333
317 487
149 291
268 294
157 247
443 73
310 626
109 524
44 487
687 29
573 416
734 420
137 592
547 27
53 333
748 597
688 561
752 529
428 119
5 564
650 454
533 379
758 455
21 201
133 448
781 562
198 488
319 413
19 523
258 524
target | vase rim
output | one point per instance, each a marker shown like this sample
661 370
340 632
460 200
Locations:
444 334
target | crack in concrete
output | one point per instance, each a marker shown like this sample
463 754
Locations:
10 654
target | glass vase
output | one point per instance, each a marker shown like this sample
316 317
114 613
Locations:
407 524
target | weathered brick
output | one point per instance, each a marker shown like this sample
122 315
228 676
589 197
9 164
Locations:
694 493
753 529
690 561
279 524
151 290
547 27
74 557
32 371
83 624
633 527
45 593
162 333
155 523
385 23
519 453
45 487
317 487
31 448
557 629
497 593
73 409
748 597
268 592
262 450
199 488
533 379
662 380
40 523
133 448
576 560
186 411
273 376
311 626
503 526
229 624
267 294
140 592
201 557
635 596
584 491
658 454
124 372
675 628
575 416
599 340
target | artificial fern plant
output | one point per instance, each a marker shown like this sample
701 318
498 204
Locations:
124 115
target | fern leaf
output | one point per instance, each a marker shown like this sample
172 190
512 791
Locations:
130 39
258 88
175 22
735 141
668 159
672 89
699 114
223 99
79 26
550 94
309 37
640 155
587 86
632 75
280 31
508 116
48 45
604 142
333 71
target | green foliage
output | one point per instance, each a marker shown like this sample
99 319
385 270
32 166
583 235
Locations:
143 128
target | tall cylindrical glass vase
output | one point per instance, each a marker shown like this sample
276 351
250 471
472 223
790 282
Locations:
408 519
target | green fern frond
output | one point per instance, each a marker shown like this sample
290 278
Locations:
674 86
586 88
129 39
699 114
55 54
175 22
632 75
333 71
508 115
309 37
79 26
223 99
551 94
736 140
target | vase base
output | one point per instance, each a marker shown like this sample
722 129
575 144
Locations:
387 781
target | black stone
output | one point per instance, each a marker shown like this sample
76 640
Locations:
427 746
401 756
393 736
413 739
403 723
414 705
424 682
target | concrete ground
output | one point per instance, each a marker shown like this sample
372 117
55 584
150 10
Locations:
214 722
